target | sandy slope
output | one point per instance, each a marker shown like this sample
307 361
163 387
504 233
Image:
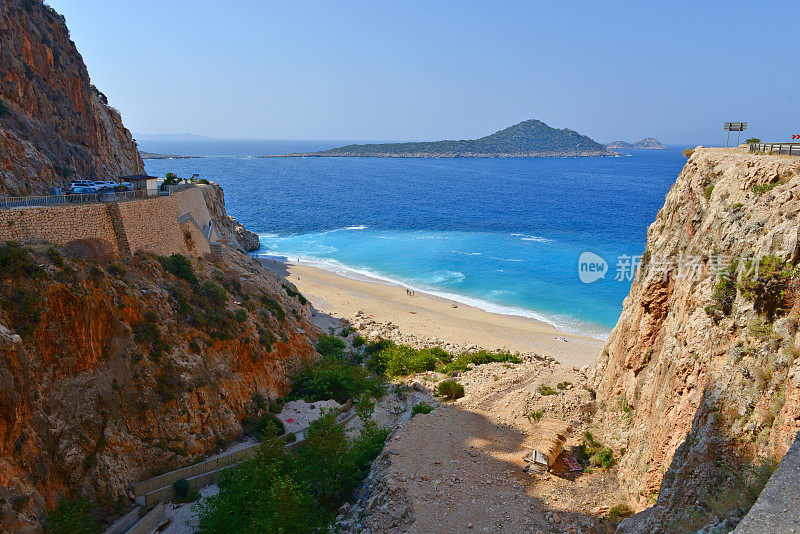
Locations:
426 316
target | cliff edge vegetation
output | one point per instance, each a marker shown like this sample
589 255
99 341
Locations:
699 382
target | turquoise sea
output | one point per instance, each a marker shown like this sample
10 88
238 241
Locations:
501 234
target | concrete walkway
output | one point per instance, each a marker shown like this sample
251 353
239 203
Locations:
777 509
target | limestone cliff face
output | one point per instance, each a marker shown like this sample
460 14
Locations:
54 124
234 234
111 374
702 369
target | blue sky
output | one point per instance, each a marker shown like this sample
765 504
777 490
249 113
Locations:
418 70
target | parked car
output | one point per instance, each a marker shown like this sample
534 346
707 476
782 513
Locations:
81 190
80 183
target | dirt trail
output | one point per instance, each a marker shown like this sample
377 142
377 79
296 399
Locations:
460 468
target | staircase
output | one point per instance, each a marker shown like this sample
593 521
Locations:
216 249
215 246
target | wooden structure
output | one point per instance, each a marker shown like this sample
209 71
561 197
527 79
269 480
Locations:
142 182
547 441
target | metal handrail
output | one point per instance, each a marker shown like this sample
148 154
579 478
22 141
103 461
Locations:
81 198
790 149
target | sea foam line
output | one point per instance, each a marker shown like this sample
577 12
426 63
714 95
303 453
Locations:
564 324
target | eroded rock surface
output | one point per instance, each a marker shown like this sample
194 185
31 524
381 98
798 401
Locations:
54 124
693 378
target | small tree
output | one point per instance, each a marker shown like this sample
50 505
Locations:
171 179
73 516
753 140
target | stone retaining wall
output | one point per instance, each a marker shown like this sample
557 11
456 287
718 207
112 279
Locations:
148 225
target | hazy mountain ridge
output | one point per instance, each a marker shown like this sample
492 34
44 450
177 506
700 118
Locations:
646 143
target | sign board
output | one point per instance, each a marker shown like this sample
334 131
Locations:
735 126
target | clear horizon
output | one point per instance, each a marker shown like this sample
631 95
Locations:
367 71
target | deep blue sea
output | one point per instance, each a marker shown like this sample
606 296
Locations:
501 234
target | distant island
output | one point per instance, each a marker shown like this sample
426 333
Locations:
650 143
528 139
151 155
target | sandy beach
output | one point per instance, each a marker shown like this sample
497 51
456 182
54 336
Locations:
430 317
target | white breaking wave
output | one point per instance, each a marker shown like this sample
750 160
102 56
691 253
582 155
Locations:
359 227
503 259
525 237
563 323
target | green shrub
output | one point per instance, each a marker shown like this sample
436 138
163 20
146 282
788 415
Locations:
25 309
4 109
421 407
215 293
594 452
180 266
547 390
55 256
275 407
73 516
115 270
760 189
724 294
17 261
451 389
771 288
537 415
330 346
736 207
687 152
277 491
378 345
296 294
619 512
265 337
563 385
240 315
170 179
181 488
708 191
262 426
480 357
346 331
400 360
359 341
334 379
203 181
273 307
753 140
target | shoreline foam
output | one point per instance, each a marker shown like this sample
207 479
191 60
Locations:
566 325
429 316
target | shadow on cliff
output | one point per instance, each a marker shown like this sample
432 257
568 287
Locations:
274 263
708 478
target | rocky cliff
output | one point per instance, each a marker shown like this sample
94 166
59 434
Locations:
699 383
112 373
54 124
230 230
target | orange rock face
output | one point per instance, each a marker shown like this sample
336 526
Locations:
687 389
117 377
54 125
